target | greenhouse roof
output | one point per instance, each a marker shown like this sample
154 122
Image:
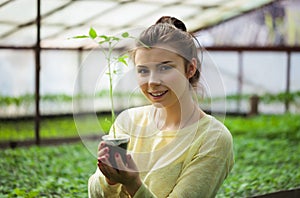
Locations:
62 19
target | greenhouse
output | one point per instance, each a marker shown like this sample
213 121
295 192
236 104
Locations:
67 72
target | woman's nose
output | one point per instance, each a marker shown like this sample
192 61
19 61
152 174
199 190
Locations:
154 79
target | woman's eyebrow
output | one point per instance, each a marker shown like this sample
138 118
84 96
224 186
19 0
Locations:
164 62
141 66
158 64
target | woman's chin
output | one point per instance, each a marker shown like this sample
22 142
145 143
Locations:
158 105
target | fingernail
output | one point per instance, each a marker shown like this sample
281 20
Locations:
117 154
101 159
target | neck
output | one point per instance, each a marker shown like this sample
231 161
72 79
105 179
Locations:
179 115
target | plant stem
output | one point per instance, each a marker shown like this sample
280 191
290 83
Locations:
111 90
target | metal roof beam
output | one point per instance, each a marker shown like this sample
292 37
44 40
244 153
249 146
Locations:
5 3
29 23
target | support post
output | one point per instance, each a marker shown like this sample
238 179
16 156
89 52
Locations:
240 80
288 76
37 75
254 102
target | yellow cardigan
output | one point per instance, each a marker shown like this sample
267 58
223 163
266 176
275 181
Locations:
191 162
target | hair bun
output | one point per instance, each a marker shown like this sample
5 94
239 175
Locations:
173 21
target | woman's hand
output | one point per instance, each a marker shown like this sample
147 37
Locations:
103 152
126 174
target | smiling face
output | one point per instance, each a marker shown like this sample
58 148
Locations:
161 76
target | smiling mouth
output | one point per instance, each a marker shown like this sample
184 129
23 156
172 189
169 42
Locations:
158 94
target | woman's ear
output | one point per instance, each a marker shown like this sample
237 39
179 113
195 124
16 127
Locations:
192 68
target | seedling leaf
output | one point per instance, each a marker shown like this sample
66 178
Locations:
115 38
80 36
106 38
92 33
122 59
125 35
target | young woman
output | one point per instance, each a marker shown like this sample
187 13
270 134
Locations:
176 150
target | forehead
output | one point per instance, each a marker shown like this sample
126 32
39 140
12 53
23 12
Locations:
155 55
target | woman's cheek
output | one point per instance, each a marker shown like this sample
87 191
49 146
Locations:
177 83
141 80
143 88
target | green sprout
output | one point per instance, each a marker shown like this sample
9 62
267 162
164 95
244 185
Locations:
111 42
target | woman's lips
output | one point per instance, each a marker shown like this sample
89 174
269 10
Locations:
158 94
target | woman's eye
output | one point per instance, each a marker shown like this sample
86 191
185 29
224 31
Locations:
165 67
142 71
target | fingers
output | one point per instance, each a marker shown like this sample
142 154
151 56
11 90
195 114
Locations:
130 163
104 159
124 173
102 150
119 162
105 166
106 169
101 145
130 166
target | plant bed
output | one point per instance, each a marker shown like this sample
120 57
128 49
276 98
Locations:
50 171
267 155
293 193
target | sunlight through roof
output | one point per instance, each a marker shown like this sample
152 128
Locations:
62 19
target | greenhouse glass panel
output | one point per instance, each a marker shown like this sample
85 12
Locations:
25 36
264 72
227 63
6 28
49 6
18 12
295 72
128 13
16 82
78 12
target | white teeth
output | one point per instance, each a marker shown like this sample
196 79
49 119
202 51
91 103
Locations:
157 94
